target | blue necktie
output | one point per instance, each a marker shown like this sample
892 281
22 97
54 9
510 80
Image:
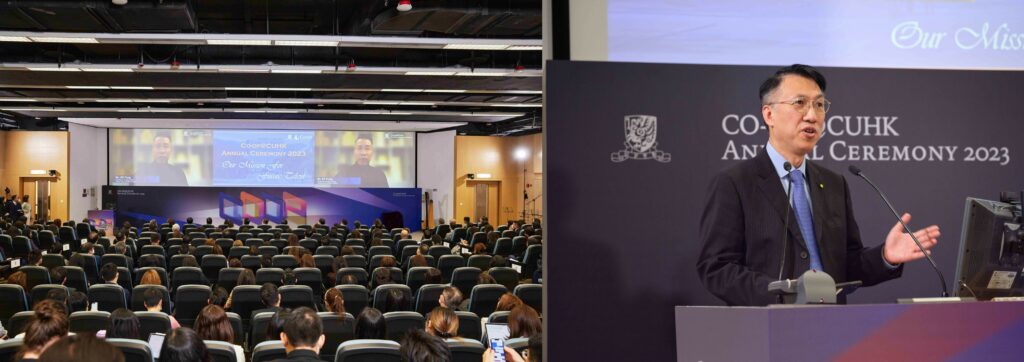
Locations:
803 218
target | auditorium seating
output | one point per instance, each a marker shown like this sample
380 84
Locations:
221 351
465 350
134 350
469 325
153 322
35 275
18 322
401 322
368 350
337 330
465 278
10 348
484 298
108 297
268 351
14 301
531 294
189 300
89 321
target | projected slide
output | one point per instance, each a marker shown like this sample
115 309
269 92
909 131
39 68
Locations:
270 158
982 34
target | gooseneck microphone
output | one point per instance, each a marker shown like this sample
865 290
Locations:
785 225
856 171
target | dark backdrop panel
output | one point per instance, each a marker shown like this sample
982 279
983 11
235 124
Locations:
624 235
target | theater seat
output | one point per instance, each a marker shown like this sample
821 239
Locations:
268 351
361 275
465 278
294 296
400 323
187 275
39 292
465 350
153 322
221 351
138 298
380 296
14 301
357 297
311 277
361 350
448 263
532 295
134 350
35 275
505 276
258 329
337 330
108 297
244 300
10 348
482 262
88 321
17 323
484 298
189 300
211 265
427 297
469 325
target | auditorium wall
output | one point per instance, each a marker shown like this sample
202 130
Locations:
24 151
435 171
88 168
495 155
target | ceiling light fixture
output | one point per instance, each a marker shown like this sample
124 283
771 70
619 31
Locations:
86 87
306 43
50 69
476 46
68 40
130 87
238 42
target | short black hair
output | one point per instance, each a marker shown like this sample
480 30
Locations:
78 302
268 294
769 85
152 296
108 272
419 345
302 327
162 134
183 344
364 136
370 324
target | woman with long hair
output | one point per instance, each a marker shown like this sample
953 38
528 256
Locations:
48 323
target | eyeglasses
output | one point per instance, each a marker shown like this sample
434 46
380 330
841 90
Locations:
801 104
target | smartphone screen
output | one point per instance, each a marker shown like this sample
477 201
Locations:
498 345
156 342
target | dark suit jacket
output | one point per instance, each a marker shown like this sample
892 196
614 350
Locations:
300 355
741 232
264 310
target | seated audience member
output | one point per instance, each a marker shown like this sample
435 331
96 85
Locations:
396 301
534 351
479 249
382 276
35 257
507 302
218 296
48 323
334 302
419 345
485 278
82 348
523 321
417 260
151 277
58 276
443 322
59 296
388 261
451 297
20 279
153 300
498 261
110 274
212 324
370 325
123 324
245 277
78 302
184 345
349 279
276 324
303 335
433 276
347 250
271 299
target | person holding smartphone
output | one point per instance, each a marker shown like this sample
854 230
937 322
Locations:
533 353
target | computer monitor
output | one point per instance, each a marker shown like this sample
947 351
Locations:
991 258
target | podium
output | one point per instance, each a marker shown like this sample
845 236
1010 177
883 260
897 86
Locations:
959 331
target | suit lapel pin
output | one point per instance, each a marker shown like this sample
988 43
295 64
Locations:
821 186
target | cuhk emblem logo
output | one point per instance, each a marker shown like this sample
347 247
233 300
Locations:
641 140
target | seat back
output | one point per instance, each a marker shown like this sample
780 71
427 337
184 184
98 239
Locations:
309 244
18 322
465 350
530 259
427 297
221 351
236 252
368 350
498 317
531 295
35 275
15 300
236 327
484 298
228 277
416 277
89 322
268 251
186 275
268 351
139 298
337 329
505 276
251 262
284 262
153 322
327 250
465 278
311 277
396 276
116 259
400 323
152 249
51 261
407 252
324 263
244 300
361 275
437 251
39 292
356 261
188 301
76 278
379 250
212 264
108 297
46 239
160 271
448 263
469 325
356 297
503 246
294 296
258 329
270 275
482 262
134 350
380 297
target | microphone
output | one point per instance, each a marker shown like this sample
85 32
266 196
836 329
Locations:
785 225
856 171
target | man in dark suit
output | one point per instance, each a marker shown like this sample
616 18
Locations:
741 226
303 336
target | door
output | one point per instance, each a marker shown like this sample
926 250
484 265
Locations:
41 200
